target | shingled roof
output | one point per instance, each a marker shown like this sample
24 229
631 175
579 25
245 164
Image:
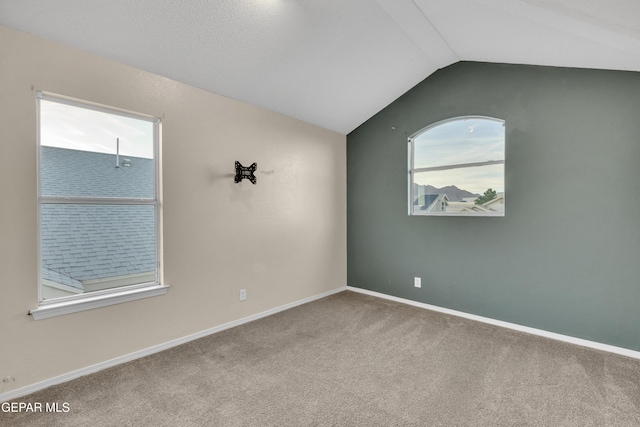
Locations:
83 243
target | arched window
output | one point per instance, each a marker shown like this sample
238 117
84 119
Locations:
456 168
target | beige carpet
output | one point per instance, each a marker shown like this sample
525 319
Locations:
355 360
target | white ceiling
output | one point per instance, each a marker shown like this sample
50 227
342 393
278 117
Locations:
334 63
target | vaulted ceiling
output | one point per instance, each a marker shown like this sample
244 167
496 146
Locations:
334 63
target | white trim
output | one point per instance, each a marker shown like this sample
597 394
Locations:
23 391
61 286
38 169
475 214
89 105
110 283
95 294
157 348
539 332
90 302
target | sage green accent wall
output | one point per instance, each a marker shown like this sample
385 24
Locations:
566 257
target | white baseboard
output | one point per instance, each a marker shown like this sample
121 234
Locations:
13 394
559 337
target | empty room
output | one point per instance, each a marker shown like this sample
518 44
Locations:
310 213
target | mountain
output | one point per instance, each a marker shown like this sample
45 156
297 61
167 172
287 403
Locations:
453 193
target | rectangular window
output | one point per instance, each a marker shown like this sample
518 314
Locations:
98 204
456 168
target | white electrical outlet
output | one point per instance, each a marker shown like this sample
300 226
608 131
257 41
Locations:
243 294
417 282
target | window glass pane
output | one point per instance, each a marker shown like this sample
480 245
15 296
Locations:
455 142
89 153
457 190
87 248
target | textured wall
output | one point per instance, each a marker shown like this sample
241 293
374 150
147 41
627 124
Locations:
566 257
283 239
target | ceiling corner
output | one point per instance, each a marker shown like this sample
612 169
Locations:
415 24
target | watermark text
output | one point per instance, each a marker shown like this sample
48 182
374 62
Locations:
13 407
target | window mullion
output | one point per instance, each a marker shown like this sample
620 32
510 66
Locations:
459 166
95 200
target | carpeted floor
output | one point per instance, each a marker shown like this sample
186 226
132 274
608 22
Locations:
355 360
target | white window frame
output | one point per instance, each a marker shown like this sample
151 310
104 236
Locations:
412 171
85 301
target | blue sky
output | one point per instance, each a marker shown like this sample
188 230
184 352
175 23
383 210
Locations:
66 126
457 142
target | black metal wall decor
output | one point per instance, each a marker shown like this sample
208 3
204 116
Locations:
243 172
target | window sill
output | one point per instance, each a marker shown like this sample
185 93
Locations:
465 214
67 307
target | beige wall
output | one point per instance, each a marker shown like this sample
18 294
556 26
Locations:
283 239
